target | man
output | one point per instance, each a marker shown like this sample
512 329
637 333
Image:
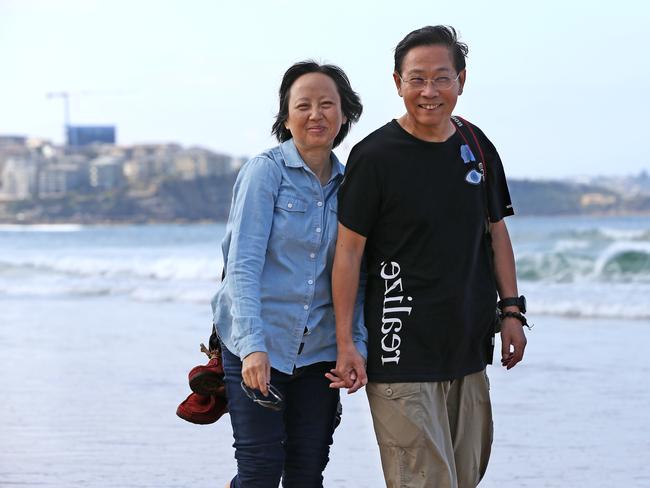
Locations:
416 200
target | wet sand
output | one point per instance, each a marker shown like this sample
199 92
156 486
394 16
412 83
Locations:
90 388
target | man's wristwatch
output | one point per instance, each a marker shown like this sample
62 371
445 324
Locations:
519 302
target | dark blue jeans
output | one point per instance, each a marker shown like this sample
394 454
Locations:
292 444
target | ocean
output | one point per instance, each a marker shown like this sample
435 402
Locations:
99 326
577 267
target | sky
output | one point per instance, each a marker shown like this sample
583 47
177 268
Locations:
560 87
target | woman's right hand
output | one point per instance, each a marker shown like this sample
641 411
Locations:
256 371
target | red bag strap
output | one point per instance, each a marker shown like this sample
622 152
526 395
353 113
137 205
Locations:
463 126
466 132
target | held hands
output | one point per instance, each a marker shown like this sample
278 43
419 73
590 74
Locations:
513 342
256 371
350 371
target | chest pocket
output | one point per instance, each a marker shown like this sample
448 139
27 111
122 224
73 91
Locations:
290 203
290 222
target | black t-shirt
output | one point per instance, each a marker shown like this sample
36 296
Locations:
430 295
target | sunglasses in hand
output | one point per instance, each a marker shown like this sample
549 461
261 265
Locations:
273 401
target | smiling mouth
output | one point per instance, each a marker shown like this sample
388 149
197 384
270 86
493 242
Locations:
430 106
316 129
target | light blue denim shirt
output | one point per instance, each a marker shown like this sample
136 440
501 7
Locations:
278 253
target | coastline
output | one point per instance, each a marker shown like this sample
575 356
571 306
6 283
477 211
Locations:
208 199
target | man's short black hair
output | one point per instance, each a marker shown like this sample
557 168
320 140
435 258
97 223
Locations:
350 101
444 35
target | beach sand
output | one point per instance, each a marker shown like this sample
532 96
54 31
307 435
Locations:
90 389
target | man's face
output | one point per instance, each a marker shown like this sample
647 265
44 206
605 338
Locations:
428 107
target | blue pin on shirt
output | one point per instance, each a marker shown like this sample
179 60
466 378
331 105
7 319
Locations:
473 177
466 154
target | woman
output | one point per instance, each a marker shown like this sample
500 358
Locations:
273 309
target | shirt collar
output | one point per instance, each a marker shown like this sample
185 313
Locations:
292 159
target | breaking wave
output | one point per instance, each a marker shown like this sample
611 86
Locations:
627 261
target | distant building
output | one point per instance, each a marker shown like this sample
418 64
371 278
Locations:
596 199
196 162
83 135
106 173
158 150
57 180
8 140
150 162
141 171
19 178
12 147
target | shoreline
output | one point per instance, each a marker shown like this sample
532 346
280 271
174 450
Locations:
145 221
8 224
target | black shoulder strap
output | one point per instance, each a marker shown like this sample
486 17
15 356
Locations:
214 343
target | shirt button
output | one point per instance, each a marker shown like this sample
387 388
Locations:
317 229
320 204
311 282
290 205
389 391
312 255
306 307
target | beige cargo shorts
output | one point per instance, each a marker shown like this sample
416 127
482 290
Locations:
433 434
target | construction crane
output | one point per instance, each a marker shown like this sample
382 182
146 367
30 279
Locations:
66 110
66 95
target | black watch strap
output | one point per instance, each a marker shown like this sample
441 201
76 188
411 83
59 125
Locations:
519 302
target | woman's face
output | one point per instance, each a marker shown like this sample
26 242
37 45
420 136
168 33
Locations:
315 115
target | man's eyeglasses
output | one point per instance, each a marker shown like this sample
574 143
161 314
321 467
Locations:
439 83
274 401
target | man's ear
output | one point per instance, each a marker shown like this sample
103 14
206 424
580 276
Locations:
461 81
398 82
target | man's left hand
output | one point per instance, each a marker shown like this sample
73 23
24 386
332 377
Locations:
513 342
350 371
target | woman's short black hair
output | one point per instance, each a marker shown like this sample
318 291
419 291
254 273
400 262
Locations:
350 101
444 35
